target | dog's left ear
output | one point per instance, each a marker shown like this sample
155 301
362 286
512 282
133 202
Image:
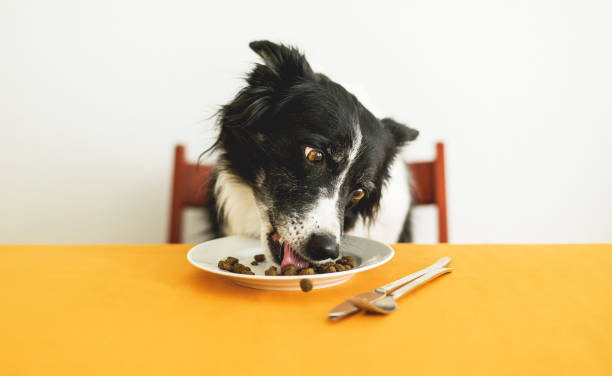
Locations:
399 132
287 63
284 67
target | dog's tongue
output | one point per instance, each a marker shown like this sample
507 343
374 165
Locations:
290 258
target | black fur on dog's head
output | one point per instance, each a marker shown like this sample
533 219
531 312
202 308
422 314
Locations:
268 135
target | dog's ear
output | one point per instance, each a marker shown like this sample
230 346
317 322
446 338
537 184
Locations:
287 63
399 132
266 84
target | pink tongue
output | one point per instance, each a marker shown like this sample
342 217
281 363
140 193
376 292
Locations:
290 258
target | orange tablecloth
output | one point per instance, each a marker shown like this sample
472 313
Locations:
144 310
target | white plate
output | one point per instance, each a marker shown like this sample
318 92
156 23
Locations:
367 253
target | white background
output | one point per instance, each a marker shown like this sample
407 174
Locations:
94 95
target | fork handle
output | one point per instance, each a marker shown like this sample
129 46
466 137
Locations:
418 282
402 281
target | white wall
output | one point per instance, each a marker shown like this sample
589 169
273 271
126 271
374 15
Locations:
94 94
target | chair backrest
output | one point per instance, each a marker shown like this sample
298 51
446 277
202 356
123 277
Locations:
190 189
429 187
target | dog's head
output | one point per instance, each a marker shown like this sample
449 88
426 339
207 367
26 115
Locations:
315 158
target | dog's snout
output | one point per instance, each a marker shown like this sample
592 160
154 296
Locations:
321 247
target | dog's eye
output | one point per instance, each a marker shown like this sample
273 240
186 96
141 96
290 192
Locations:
357 195
313 155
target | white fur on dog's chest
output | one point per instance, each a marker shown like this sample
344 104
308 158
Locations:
239 208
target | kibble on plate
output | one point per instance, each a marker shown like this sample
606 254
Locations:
306 271
231 264
288 270
241 269
272 271
347 260
223 265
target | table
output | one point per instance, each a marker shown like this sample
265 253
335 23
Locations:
143 309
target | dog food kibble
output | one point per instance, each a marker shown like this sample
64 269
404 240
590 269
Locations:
288 270
306 271
237 267
306 284
225 266
272 271
231 264
241 269
347 260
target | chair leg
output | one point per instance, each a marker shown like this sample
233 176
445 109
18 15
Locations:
176 218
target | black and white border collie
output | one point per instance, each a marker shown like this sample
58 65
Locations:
302 162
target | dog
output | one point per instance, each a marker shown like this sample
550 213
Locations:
302 162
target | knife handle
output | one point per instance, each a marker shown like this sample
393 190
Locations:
402 281
418 282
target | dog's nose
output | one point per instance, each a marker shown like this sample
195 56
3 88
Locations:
321 247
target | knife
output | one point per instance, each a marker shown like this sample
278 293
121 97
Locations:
346 308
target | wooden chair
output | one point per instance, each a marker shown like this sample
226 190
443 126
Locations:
190 189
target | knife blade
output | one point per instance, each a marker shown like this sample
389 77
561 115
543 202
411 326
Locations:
347 308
